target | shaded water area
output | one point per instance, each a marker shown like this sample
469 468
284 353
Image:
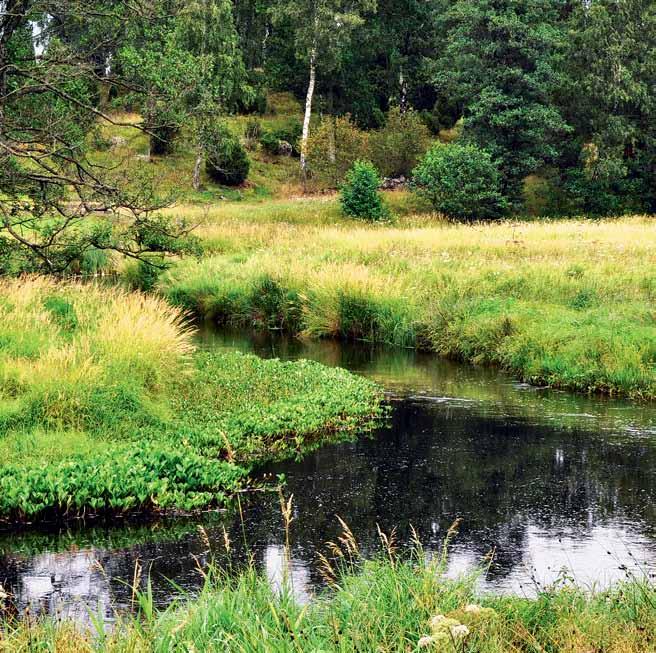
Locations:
557 485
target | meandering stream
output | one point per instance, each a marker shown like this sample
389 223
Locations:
557 485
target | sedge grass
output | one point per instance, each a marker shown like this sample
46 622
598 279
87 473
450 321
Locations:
565 303
390 603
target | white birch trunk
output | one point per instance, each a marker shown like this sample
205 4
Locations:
308 111
197 165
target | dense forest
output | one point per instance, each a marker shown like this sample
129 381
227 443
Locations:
557 92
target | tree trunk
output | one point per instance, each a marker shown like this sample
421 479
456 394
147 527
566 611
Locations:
332 157
308 112
197 164
403 92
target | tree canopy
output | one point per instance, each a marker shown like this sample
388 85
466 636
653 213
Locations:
559 89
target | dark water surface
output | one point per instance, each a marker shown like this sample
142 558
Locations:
557 485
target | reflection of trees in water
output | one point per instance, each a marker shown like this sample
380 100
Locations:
431 465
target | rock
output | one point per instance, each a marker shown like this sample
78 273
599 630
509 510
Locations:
391 183
285 148
117 141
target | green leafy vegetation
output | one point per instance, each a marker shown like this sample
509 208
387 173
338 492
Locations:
461 182
227 161
105 406
360 197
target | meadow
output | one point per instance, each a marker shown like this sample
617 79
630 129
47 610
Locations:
564 303
107 407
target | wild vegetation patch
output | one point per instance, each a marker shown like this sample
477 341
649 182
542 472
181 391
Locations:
386 603
105 406
560 303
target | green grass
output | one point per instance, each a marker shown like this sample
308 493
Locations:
565 303
105 406
385 604
124 147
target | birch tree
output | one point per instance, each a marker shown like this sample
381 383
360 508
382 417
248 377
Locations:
322 29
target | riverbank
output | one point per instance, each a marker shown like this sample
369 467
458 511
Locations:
373 605
107 407
564 303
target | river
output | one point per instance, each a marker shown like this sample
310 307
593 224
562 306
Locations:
555 486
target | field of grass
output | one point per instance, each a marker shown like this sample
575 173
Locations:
105 406
565 303
387 605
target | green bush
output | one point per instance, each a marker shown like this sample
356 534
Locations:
290 133
397 147
270 143
163 124
253 132
333 147
227 161
460 181
360 197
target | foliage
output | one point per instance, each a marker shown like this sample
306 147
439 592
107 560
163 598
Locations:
460 181
397 147
360 197
105 407
253 132
163 124
227 161
289 132
333 147
56 203
501 63
613 157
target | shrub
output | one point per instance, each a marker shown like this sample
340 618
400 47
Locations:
290 133
333 148
227 161
253 132
270 143
163 123
397 147
460 181
360 197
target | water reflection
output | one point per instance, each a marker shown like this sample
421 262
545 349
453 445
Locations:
547 481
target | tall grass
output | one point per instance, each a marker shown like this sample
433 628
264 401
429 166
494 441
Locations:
64 343
561 303
390 603
105 407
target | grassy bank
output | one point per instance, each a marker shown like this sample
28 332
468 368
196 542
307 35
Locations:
561 303
384 605
105 406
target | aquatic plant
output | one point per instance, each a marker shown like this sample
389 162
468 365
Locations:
105 407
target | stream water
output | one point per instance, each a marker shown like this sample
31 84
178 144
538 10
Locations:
558 486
